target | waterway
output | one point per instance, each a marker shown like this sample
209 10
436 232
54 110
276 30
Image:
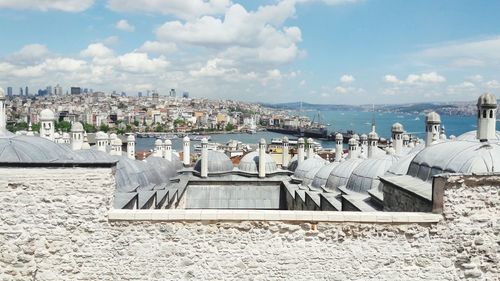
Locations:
359 122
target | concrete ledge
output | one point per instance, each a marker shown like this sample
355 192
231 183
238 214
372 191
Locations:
272 215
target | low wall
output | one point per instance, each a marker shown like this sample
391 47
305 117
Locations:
54 226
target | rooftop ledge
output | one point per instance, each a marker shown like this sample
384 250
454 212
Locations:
271 215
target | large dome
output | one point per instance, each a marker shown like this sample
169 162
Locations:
472 136
365 176
322 175
341 173
94 155
308 165
294 162
309 177
218 162
30 149
456 157
250 163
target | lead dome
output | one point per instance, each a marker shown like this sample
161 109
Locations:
218 163
250 163
487 100
47 115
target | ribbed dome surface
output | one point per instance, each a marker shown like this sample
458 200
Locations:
456 157
218 162
250 163
365 176
341 173
308 165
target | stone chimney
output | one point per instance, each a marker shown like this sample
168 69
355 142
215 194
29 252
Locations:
262 158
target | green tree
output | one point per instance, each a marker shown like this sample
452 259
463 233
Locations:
104 128
229 127
63 126
89 128
158 128
136 123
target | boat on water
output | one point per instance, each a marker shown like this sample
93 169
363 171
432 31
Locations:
200 137
211 146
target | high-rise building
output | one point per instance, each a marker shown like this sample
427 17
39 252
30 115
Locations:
185 95
21 91
49 90
172 93
76 90
139 94
9 91
58 91
26 93
155 97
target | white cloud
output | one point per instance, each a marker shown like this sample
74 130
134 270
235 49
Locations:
347 78
413 79
140 62
29 53
341 90
124 25
492 84
475 78
45 5
96 50
185 9
158 47
214 68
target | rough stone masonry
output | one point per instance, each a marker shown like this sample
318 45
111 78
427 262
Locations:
54 226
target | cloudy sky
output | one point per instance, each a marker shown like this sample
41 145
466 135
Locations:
321 51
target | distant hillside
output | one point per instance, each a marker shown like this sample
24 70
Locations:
311 106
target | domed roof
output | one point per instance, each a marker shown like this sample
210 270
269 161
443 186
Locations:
309 177
161 169
373 135
131 138
308 165
363 137
167 142
365 176
487 99
76 127
339 136
47 115
356 137
31 149
113 136
401 167
341 173
406 137
250 163
294 162
472 136
353 141
397 127
455 157
158 142
218 162
186 138
322 175
94 155
101 136
433 117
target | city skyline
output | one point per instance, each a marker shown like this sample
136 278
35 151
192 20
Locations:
331 51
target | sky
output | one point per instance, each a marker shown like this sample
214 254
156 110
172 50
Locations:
317 51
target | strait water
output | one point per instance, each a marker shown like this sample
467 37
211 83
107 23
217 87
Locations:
359 122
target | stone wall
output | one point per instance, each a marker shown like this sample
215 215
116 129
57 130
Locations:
54 226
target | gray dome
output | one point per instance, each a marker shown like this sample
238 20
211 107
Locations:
487 100
373 136
341 173
309 177
339 136
401 167
94 155
365 176
294 162
322 175
433 117
308 165
397 128
250 163
101 136
161 169
218 162
31 149
456 157
472 136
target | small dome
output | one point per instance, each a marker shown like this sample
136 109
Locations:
373 136
300 141
158 142
397 128
113 136
167 142
433 117
341 173
76 127
218 162
456 157
47 115
366 175
56 135
185 139
487 100
250 163
364 137
65 135
406 137
339 136
353 142
116 142
101 136
285 139
356 137
308 165
294 162
322 175
134 174
130 138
